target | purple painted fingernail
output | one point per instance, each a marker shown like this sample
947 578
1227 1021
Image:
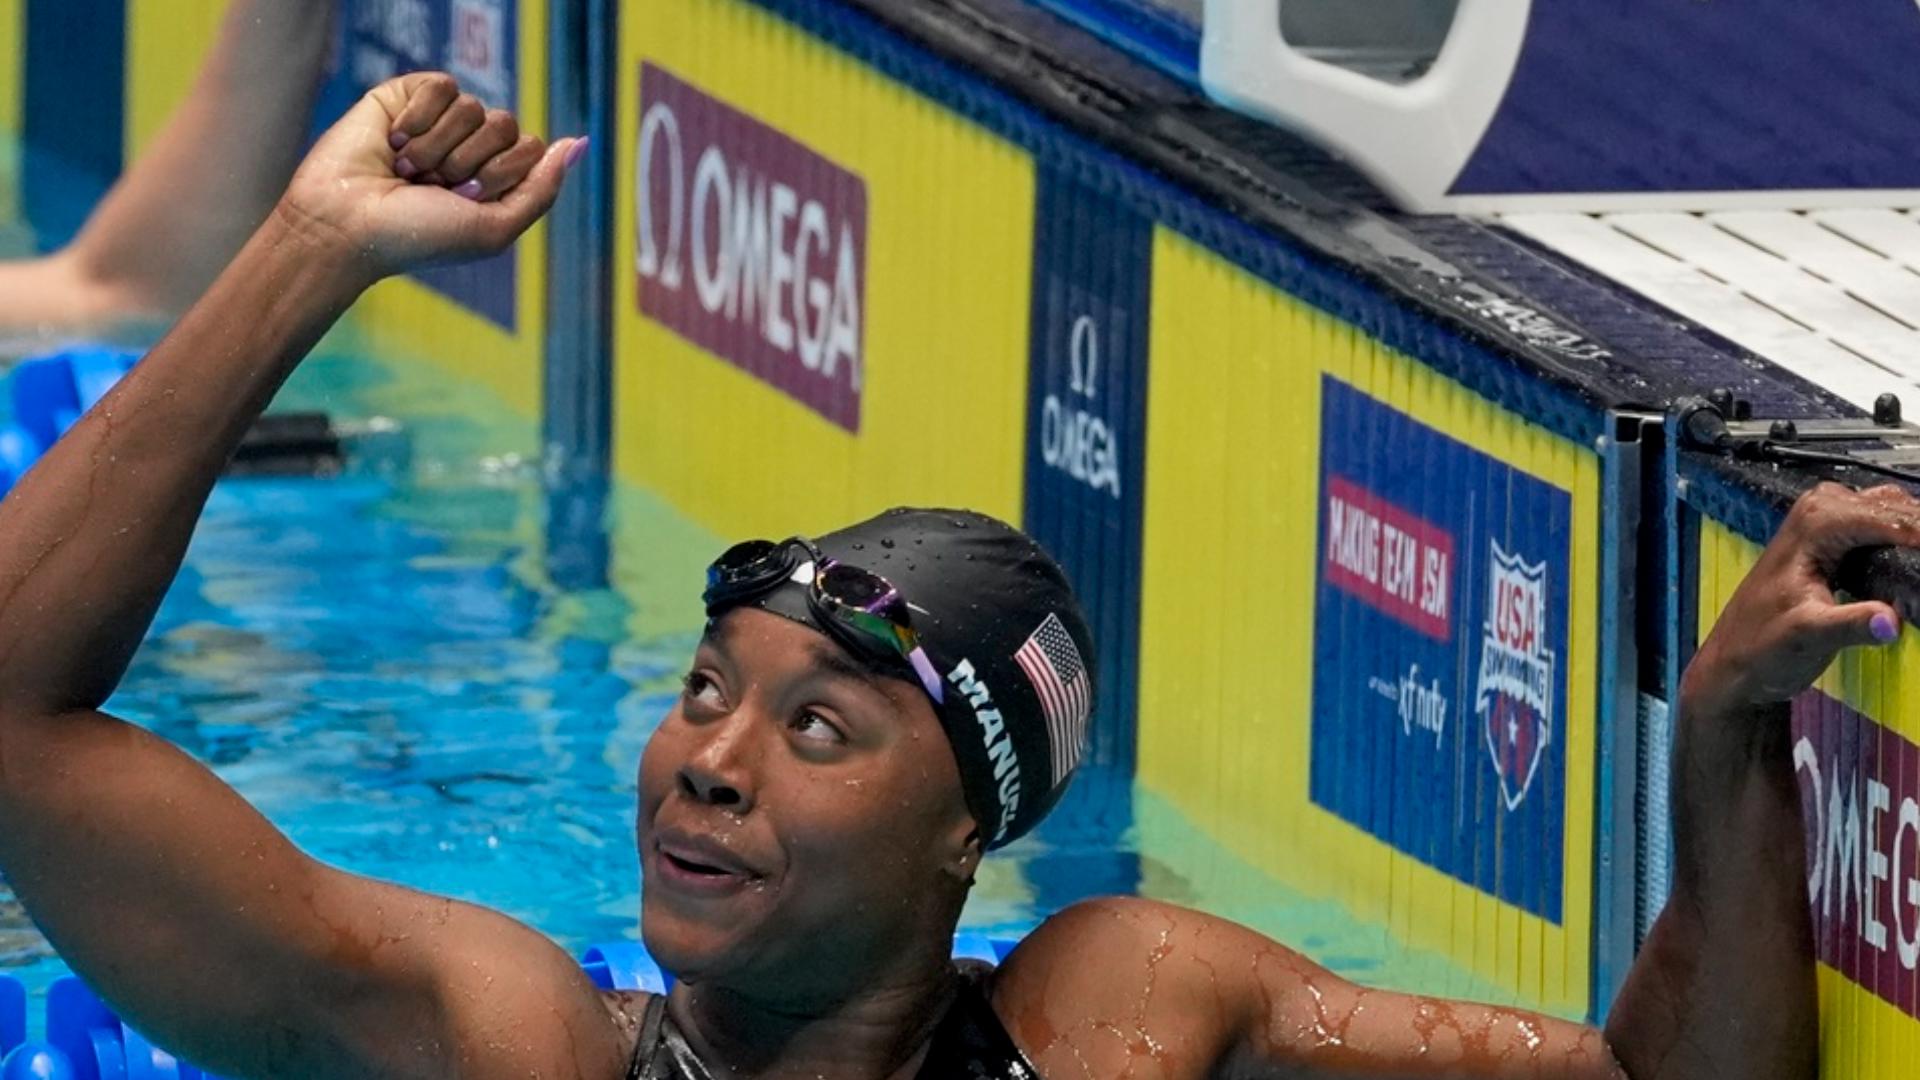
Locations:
577 151
469 190
1885 628
404 168
398 139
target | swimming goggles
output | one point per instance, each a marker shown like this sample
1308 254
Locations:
861 608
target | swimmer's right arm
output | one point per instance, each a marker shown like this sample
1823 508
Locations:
1723 988
189 912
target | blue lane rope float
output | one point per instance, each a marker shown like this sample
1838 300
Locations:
85 1040
48 394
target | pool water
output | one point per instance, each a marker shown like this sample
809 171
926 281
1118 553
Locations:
383 664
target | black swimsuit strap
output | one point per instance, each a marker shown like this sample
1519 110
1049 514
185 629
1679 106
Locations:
661 1052
650 1022
970 1044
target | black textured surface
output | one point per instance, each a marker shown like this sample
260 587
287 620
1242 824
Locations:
1776 95
1663 356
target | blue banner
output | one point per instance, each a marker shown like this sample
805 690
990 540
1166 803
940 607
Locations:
75 112
1086 427
1440 651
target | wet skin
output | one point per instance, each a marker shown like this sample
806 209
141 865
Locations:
798 815
806 852
800 822
772 730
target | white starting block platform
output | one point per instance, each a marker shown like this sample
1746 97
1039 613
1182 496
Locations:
1715 162
1831 295
1750 167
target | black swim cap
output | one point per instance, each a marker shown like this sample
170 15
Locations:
1005 632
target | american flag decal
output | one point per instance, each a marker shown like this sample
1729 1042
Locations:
1052 662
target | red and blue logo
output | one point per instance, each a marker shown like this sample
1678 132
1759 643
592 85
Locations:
1514 699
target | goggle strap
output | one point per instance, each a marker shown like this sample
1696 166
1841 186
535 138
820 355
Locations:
929 678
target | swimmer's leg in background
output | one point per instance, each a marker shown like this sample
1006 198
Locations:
178 215
183 906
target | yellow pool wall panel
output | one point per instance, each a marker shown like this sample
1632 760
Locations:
949 232
13 41
168 41
1226 670
13 75
1862 1035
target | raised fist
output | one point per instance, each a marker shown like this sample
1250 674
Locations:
418 173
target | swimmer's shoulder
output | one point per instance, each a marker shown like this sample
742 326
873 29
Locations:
1105 980
488 997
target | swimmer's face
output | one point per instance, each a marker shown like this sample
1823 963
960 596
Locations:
800 818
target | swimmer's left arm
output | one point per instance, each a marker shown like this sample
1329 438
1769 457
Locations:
1109 982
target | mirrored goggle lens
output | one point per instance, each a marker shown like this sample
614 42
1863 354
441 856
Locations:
863 589
868 603
879 616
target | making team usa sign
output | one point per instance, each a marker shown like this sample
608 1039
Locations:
1440 632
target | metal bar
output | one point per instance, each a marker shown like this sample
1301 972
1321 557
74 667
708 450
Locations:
577 429
1899 456
1680 530
1825 430
1616 847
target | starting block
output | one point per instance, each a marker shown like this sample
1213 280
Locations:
1500 106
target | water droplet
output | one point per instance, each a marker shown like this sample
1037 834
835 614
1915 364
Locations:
886 542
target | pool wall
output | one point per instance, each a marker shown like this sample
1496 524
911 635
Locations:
918 229
1366 569
12 23
1044 330
12 27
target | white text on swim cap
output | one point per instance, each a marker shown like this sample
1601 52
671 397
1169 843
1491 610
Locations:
993 735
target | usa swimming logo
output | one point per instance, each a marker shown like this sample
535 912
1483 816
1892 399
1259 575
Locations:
1514 698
